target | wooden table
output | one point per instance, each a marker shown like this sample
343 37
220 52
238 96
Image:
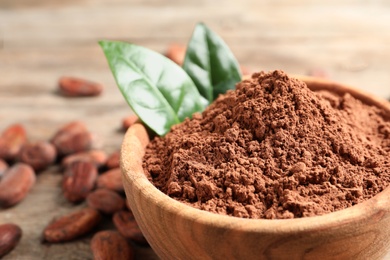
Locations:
41 40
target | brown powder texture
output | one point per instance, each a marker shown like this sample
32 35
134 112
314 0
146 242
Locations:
274 149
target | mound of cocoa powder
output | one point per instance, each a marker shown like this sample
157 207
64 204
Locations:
274 149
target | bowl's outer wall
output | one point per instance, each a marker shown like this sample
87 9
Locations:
177 231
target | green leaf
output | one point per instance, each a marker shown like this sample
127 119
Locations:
158 90
210 63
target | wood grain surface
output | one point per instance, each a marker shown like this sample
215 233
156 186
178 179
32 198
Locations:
42 40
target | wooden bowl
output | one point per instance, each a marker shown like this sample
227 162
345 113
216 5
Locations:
177 231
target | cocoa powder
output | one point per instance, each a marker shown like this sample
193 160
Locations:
274 149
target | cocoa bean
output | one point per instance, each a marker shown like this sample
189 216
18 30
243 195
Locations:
176 52
72 138
127 205
113 160
111 179
10 235
71 226
79 179
11 140
129 121
97 157
125 222
38 155
110 245
318 73
15 184
106 201
76 87
3 167
245 71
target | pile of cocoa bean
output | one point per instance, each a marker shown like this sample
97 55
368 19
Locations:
89 175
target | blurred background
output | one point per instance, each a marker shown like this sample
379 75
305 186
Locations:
41 40
44 39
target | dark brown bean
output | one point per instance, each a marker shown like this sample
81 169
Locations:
15 184
38 155
71 226
76 87
10 235
127 205
129 121
72 138
3 167
176 52
113 160
125 222
106 201
111 180
79 180
96 157
11 140
110 245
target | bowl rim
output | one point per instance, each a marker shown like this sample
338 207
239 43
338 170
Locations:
136 138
